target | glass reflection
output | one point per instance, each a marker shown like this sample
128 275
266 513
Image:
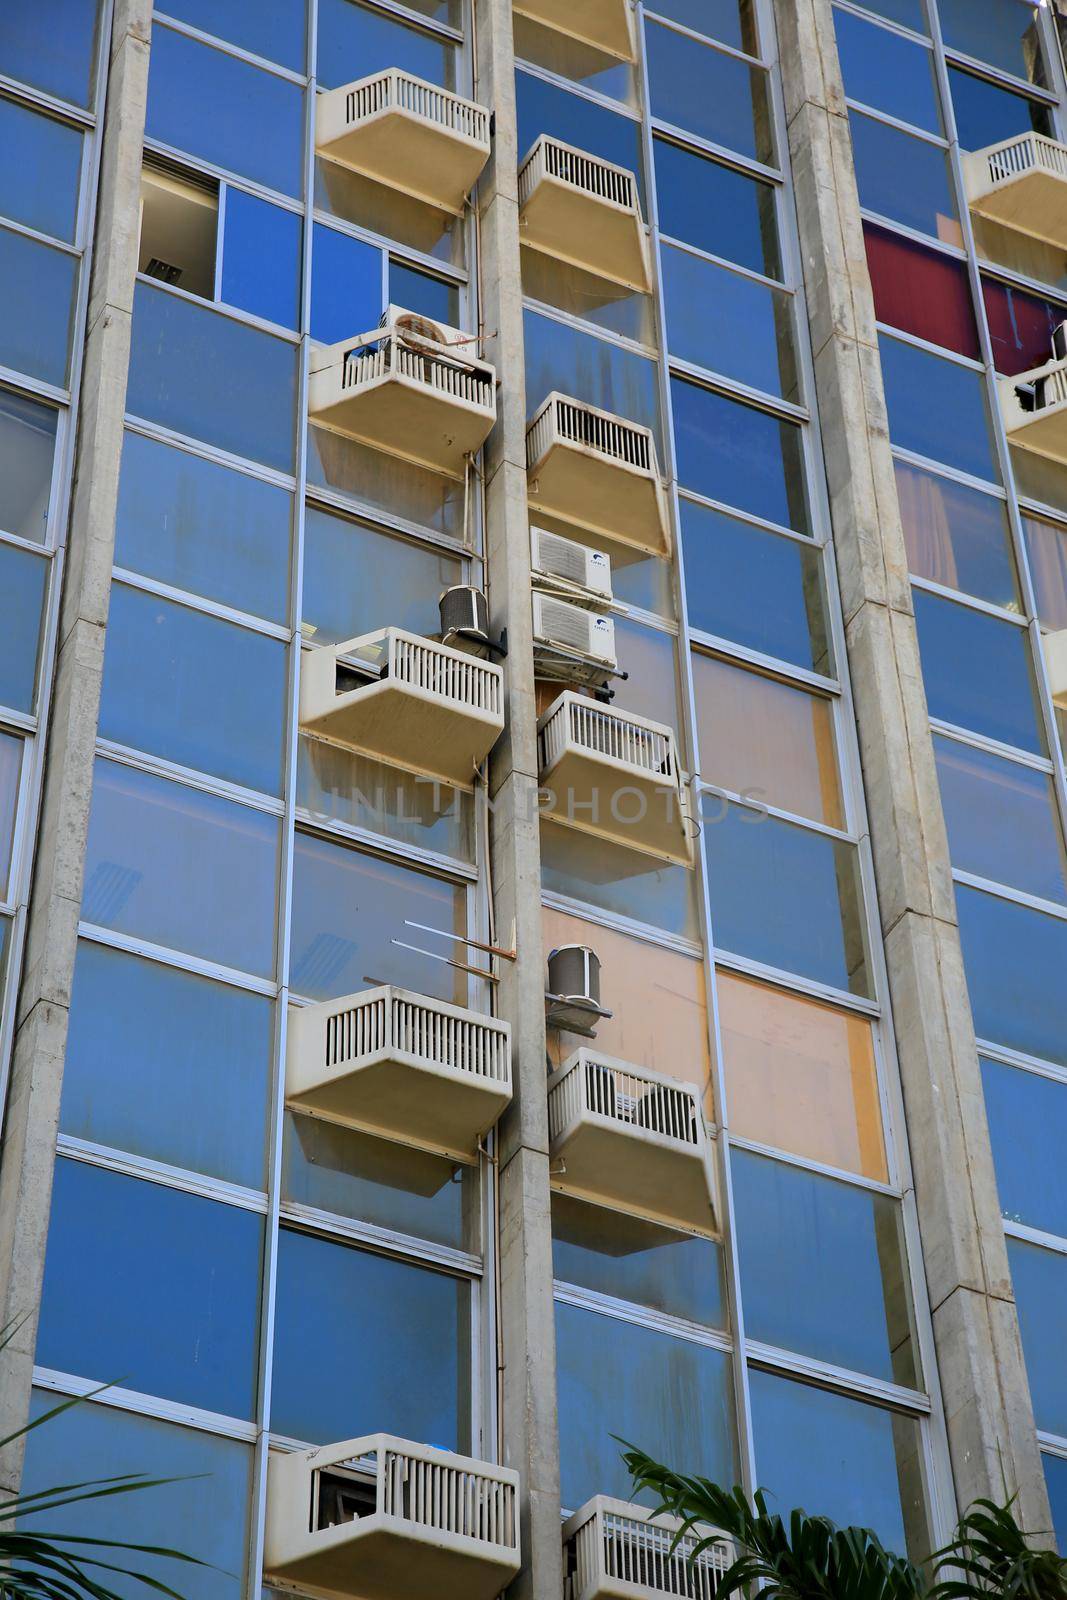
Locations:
358 579
1014 959
1039 1278
996 694
631 1259
1028 1127
1001 820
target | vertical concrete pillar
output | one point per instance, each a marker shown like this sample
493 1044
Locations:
527 1319
32 1114
992 1440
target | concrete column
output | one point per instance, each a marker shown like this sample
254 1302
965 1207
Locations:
527 1315
992 1439
32 1113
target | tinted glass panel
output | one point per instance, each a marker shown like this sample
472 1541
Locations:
616 1378
887 72
590 369
275 31
614 878
1046 549
995 695
371 479
340 785
729 324
37 286
23 579
1014 959
986 114
921 291
708 93
261 258
418 291
357 579
1039 1278
957 536
202 1089
27 449
41 169
402 1382
572 58
632 1259
741 456
51 45
346 286
10 769
730 21
153 1287
545 108
1002 32
1056 1482
1028 1127
937 408
719 210
354 41
1001 820
1021 326
909 12
925 202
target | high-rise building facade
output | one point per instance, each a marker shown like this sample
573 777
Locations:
533 899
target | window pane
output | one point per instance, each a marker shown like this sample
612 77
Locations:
194 690
887 72
23 582
204 375
590 369
352 197
926 201
1046 549
181 868
766 740
572 58
937 408
354 41
202 1511
1003 33
417 291
730 21
909 12
618 1379
152 1287
1001 820
202 1089
10 770
1039 1278
37 286
632 1259
755 588
986 114
823 1269
613 878
921 291
394 1186
347 908
785 896
402 1380
358 579
719 210
729 324
373 480
957 536
585 294
275 31
203 527
543 107
801 1076
977 672
857 1464
27 451
1056 1482
649 656
1014 959
41 169
741 456
204 101
708 93
1021 326
51 45
1028 1128
339 785
261 259
346 286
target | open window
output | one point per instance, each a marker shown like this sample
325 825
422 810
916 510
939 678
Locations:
179 230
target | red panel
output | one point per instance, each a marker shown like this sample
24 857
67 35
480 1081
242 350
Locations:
921 291
1020 326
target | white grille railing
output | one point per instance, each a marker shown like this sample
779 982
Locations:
623 1094
385 1019
602 180
465 1499
400 90
565 421
613 734
1026 153
453 379
1050 385
436 669
628 1549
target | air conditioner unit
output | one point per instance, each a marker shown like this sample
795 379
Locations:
405 700
614 774
632 1139
1034 405
599 471
572 645
400 1065
579 208
615 1550
1021 183
411 135
605 24
384 1519
464 614
413 388
572 1000
583 573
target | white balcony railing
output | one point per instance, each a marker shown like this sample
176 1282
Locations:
618 736
608 1544
402 91
386 1020
572 422
628 1096
601 180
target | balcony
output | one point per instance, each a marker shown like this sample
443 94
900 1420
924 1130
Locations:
599 471
1036 417
406 700
604 24
407 395
614 774
1022 184
578 208
612 1550
400 1065
408 134
632 1139
1054 646
390 1520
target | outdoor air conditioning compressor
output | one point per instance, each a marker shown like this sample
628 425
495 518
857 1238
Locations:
573 997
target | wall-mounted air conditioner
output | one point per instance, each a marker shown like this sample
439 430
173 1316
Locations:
400 1065
572 999
405 700
614 774
578 208
605 24
412 387
1022 184
632 1139
1034 405
595 469
411 135
380 1518
582 574
614 1550
572 645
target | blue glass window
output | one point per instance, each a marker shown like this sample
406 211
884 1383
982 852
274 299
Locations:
345 786
51 45
977 672
206 102
418 291
394 1378
37 284
1056 1482
357 579
1001 819
957 536
346 286
590 369
1039 1278
1004 33
729 21
274 31
719 210
746 458
986 113
618 880
1028 1128
152 1288
194 689
27 455
41 169
203 1084
354 41
1015 959
937 408
708 93
729 324
543 107
888 72
10 775
926 201
261 259
23 581
203 374
203 527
